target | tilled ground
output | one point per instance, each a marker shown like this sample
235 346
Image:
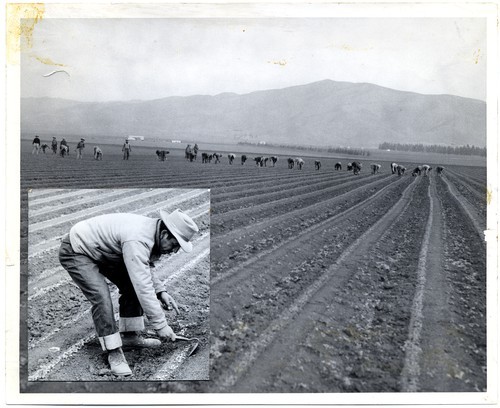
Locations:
321 281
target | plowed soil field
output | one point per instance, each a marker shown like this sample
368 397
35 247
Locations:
320 280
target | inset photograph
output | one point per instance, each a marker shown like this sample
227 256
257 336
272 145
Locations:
118 284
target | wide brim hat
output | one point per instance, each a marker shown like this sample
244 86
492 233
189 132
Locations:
181 226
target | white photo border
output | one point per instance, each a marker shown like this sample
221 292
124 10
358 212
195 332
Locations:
61 9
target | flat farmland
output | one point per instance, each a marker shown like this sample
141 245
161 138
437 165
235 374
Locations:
320 280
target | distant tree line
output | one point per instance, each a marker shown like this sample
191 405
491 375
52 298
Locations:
460 150
344 150
349 151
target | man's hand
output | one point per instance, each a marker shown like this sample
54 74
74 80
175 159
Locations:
168 302
166 333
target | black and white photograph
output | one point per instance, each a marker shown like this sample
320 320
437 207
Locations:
338 162
99 260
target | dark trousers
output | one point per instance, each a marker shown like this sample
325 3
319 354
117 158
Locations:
90 278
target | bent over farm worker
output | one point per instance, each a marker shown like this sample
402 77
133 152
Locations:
121 247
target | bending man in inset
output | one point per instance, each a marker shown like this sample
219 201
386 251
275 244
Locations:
121 248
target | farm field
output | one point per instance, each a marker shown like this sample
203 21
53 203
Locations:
320 280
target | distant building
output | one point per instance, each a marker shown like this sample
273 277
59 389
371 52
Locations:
262 143
176 141
135 138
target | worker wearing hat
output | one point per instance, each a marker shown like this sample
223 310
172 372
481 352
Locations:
122 247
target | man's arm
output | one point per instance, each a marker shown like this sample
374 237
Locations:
136 258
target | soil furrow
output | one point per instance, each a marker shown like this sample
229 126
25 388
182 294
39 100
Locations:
271 191
464 264
413 349
53 243
288 325
305 194
199 175
478 184
472 212
440 354
317 225
72 205
40 193
234 247
472 193
47 196
271 285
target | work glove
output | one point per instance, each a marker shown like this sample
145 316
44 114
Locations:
166 333
167 301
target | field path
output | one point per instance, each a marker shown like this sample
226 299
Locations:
428 345
473 212
433 354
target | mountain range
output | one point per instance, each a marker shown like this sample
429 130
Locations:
324 113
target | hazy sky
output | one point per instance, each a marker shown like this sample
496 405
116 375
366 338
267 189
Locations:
126 59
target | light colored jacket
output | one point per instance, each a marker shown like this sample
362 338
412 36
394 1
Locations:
115 237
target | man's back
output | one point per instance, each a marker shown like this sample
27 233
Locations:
107 233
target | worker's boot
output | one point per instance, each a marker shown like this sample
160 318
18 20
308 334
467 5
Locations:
135 340
118 363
